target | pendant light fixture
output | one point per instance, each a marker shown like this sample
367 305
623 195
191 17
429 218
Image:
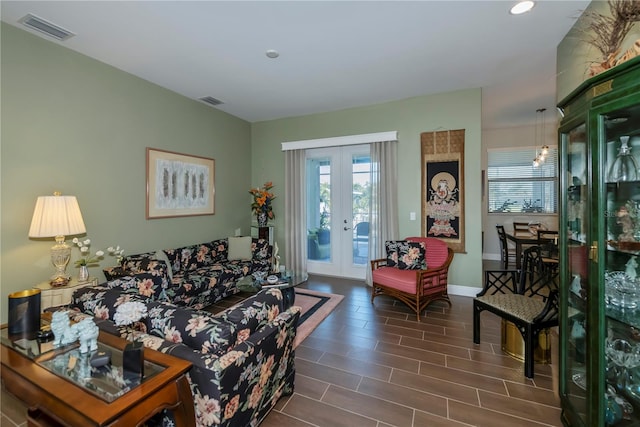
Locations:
539 139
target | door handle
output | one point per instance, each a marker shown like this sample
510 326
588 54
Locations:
346 228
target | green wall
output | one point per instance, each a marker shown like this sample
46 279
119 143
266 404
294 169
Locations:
75 125
410 117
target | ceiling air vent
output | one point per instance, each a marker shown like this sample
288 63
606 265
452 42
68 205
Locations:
211 100
46 27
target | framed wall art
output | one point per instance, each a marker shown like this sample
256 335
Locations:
442 156
179 184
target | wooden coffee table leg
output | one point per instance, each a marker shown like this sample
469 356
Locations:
184 414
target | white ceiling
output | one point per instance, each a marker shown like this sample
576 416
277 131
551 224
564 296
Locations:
333 54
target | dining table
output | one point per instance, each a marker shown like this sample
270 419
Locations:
520 240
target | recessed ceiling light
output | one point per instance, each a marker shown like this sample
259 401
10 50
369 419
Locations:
272 53
522 7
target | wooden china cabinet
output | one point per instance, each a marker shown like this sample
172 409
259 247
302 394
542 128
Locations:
599 141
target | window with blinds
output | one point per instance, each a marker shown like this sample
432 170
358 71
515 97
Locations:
515 185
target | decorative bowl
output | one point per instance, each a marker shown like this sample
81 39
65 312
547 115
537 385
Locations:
272 280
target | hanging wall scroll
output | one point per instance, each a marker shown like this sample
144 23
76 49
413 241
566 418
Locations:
443 186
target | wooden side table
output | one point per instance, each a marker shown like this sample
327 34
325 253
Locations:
61 295
56 401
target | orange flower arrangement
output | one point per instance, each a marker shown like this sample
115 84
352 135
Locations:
262 200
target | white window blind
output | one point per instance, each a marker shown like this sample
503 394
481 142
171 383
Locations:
514 185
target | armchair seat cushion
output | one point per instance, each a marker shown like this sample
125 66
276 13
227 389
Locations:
522 307
402 280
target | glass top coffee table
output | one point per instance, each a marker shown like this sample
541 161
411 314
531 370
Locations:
57 384
286 283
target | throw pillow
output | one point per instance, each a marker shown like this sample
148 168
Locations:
405 255
239 248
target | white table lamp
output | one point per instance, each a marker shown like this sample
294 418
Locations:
57 216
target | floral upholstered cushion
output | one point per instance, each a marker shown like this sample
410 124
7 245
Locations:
195 328
405 255
148 285
197 256
203 286
140 263
212 334
102 301
261 250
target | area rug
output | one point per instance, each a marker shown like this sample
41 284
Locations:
316 306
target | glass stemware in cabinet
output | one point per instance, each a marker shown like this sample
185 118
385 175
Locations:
625 167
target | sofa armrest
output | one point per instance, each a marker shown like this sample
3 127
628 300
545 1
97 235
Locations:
259 368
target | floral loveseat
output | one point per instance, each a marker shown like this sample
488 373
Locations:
193 276
243 358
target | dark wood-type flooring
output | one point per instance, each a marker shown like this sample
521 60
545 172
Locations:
375 365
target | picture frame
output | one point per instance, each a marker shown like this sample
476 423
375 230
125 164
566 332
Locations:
179 184
442 156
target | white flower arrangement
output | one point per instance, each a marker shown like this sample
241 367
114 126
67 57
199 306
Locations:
116 252
88 260
129 312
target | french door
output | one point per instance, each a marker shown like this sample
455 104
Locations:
338 210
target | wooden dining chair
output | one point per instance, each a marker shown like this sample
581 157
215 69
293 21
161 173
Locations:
548 243
547 236
507 254
520 228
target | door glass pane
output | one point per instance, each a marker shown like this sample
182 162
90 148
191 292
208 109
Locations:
319 209
576 372
621 272
360 200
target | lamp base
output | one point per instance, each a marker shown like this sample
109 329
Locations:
60 256
59 281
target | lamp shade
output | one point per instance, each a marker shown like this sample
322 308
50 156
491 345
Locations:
56 216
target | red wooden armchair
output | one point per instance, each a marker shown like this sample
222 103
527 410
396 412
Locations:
415 288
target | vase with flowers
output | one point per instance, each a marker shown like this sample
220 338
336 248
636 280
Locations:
87 260
262 203
127 314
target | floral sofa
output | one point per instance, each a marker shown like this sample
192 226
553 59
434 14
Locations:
243 357
193 276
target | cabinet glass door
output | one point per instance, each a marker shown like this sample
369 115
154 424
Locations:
621 155
600 250
577 266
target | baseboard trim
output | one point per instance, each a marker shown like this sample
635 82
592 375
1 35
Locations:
491 257
465 291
